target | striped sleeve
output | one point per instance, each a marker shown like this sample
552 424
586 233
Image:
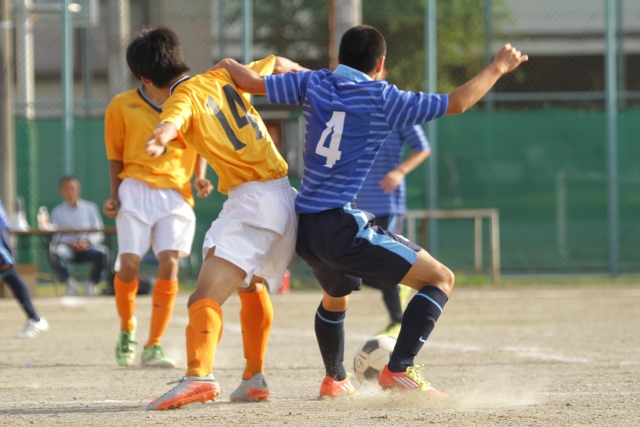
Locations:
287 88
404 109
414 136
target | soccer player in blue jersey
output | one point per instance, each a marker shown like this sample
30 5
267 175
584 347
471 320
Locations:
35 324
349 114
383 194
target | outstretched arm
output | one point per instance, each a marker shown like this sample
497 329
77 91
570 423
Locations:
250 81
467 95
285 65
164 133
245 79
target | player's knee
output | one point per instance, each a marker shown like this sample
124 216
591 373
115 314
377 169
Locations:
168 268
446 279
128 268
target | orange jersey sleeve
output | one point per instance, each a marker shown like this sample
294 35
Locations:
225 129
113 132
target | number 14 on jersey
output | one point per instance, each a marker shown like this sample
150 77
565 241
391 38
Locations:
332 152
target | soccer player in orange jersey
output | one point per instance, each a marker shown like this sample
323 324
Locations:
151 199
254 236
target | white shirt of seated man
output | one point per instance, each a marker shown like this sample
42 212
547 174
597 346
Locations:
76 214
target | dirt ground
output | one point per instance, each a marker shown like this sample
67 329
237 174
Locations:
515 357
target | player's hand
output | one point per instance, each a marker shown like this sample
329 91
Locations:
221 64
391 181
509 58
110 207
79 246
203 187
163 134
284 65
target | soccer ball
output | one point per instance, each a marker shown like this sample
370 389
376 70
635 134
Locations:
372 356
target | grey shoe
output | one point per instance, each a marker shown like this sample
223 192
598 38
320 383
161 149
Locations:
253 390
72 288
90 289
188 390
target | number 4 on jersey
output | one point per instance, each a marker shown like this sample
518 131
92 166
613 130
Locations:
332 152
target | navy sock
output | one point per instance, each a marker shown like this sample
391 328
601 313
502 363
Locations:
20 292
418 321
330 335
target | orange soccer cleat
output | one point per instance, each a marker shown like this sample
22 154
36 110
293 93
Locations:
189 390
333 388
252 390
409 380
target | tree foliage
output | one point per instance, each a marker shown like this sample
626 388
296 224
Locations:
299 29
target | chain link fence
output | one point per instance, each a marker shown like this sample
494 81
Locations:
535 148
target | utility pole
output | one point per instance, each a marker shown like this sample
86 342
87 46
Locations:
343 14
7 152
119 34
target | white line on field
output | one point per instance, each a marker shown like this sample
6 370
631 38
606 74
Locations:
72 402
525 352
310 296
589 393
536 353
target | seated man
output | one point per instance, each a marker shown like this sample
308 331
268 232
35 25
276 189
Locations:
77 214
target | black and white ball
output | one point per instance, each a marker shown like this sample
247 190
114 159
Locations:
372 356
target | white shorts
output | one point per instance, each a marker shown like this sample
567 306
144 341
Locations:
256 230
153 217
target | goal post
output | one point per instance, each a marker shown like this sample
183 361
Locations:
477 215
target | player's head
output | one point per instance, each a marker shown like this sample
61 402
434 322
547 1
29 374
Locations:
69 187
156 55
362 48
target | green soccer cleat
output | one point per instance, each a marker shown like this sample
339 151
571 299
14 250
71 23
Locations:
154 357
392 330
125 350
405 296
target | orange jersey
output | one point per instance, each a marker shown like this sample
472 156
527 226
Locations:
129 121
224 128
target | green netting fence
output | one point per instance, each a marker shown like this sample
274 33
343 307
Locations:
544 170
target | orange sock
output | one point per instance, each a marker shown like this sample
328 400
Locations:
256 318
164 296
203 334
126 301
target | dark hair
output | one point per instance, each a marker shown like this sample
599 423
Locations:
361 47
67 178
156 54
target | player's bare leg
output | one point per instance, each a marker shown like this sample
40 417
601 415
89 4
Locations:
434 283
256 318
329 328
126 288
217 280
164 295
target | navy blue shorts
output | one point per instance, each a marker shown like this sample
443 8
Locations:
343 247
393 223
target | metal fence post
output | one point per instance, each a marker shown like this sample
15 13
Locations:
431 85
611 89
247 31
67 86
7 147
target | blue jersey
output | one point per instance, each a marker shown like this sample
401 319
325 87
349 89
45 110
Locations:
4 219
372 197
348 117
